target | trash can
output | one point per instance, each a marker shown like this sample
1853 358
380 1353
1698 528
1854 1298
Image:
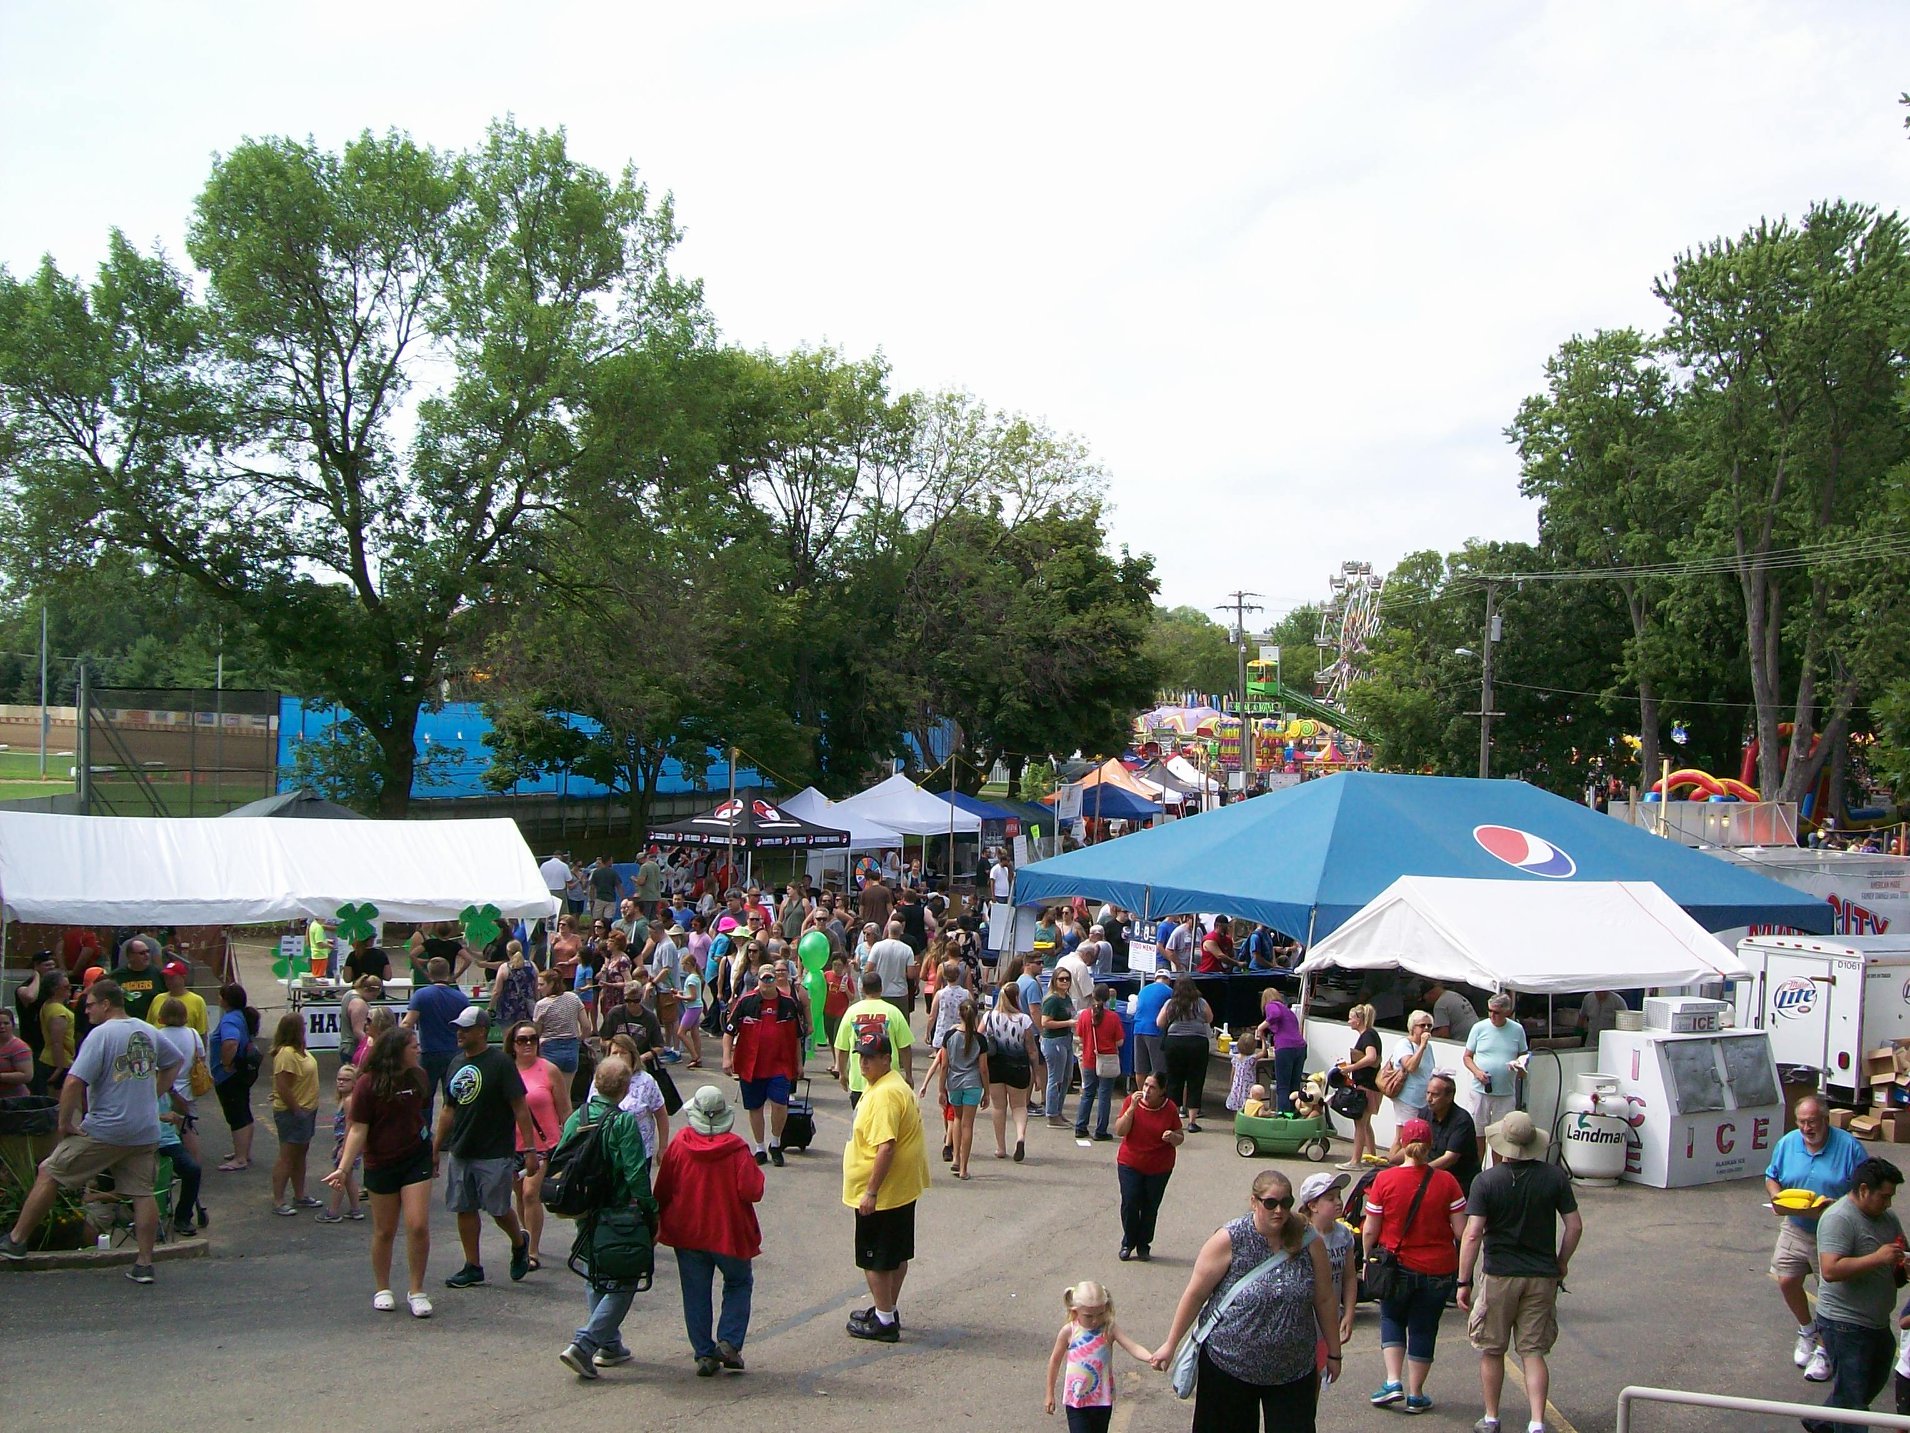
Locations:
1127 1039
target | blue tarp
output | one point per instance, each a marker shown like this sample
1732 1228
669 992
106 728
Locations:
976 806
1305 859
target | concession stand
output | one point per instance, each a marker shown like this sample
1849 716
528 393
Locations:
225 872
1546 944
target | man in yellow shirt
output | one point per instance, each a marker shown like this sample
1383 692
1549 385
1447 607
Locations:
868 1016
176 973
884 1171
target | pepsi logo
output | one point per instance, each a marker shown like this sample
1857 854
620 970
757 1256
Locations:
1532 854
1794 999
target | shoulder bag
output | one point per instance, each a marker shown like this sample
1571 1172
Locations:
1185 1368
199 1077
1380 1279
1107 1063
1392 1079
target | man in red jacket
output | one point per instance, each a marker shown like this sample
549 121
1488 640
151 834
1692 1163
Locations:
762 1048
706 1188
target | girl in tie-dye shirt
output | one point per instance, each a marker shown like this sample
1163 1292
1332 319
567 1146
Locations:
1085 1346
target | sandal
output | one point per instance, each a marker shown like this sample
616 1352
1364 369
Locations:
229 1168
536 1263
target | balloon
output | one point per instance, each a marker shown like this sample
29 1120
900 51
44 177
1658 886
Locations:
813 950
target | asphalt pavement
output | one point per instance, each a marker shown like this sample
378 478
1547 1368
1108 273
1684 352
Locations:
276 1327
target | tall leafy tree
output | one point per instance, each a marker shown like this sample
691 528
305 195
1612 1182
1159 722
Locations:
1191 650
350 437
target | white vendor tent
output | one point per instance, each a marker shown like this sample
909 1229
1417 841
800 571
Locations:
864 834
901 805
254 870
1542 937
1185 770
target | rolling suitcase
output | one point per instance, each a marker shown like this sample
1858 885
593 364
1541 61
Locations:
800 1126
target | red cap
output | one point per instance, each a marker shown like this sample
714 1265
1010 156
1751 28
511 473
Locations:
93 972
176 967
1415 1132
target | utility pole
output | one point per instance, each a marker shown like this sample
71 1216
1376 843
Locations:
1240 607
45 719
1486 713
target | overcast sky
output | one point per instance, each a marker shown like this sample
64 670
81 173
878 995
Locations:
1287 271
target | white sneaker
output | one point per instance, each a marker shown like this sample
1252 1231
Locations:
1818 1369
1806 1346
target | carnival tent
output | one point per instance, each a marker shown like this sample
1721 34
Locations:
1183 768
1599 935
250 870
1106 801
301 804
750 823
812 806
901 805
1305 859
975 806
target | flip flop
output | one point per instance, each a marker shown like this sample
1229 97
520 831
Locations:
536 1263
234 1168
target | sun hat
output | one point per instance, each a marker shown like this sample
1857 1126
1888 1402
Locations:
709 1112
1517 1137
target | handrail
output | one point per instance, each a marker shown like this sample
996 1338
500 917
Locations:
1730 1403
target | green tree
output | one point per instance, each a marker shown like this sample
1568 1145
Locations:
352 437
1191 651
1793 337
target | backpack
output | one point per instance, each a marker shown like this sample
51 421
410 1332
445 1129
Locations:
581 1179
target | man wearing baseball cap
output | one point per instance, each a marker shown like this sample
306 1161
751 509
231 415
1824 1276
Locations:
176 973
1511 1214
484 1113
884 1171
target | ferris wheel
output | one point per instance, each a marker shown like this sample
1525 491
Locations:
1348 624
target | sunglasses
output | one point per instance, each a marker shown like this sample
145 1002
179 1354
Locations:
1275 1203
525 1040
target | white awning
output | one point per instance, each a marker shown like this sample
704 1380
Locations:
249 870
864 835
1544 937
901 805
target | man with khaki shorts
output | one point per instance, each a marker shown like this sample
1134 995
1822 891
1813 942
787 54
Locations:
1511 1213
117 1076
1821 1159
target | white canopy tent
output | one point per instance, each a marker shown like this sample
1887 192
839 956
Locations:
864 834
901 805
255 870
1185 770
1540 937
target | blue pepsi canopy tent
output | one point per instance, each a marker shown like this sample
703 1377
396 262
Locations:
1306 859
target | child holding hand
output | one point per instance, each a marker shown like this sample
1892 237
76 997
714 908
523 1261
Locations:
1086 1346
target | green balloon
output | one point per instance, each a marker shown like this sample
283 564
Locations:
814 950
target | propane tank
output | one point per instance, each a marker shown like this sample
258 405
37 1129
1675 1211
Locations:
1596 1131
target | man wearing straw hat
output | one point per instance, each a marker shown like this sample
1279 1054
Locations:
1511 1213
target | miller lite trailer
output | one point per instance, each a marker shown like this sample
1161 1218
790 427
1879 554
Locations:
1826 1000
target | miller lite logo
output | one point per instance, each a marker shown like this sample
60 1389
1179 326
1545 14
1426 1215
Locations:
1794 999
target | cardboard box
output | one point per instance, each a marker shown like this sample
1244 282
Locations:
1880 1066
1867 1126
1840 1119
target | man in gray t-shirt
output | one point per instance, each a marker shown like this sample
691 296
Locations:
118 1075
1859 1254
892 959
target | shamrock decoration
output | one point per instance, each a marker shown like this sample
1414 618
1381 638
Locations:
299 962
480 924
355 922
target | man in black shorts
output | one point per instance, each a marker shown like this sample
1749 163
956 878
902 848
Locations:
884 1172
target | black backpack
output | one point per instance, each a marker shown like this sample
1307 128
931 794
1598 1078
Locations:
581 1178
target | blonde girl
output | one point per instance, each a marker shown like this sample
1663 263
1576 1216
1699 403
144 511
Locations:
1085 1346
1361 1066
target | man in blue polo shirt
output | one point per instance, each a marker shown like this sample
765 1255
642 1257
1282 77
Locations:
430 1013
1821 1159
1147 1010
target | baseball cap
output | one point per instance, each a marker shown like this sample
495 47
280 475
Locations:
876 1042
1316 1186
175 967
472 1016
1415 1132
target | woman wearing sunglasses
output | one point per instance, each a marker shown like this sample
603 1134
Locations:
1258 1361
547 1092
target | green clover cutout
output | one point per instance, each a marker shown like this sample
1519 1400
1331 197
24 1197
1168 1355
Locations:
300 964
355 922
480 924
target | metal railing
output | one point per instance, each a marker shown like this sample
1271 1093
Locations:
1730 1403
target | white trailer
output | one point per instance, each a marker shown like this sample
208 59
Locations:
1826 1000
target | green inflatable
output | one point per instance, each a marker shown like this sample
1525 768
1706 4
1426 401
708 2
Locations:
813 950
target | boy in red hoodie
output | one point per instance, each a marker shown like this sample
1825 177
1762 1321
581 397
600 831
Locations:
707 1187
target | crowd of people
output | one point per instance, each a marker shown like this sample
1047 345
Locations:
579 1093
